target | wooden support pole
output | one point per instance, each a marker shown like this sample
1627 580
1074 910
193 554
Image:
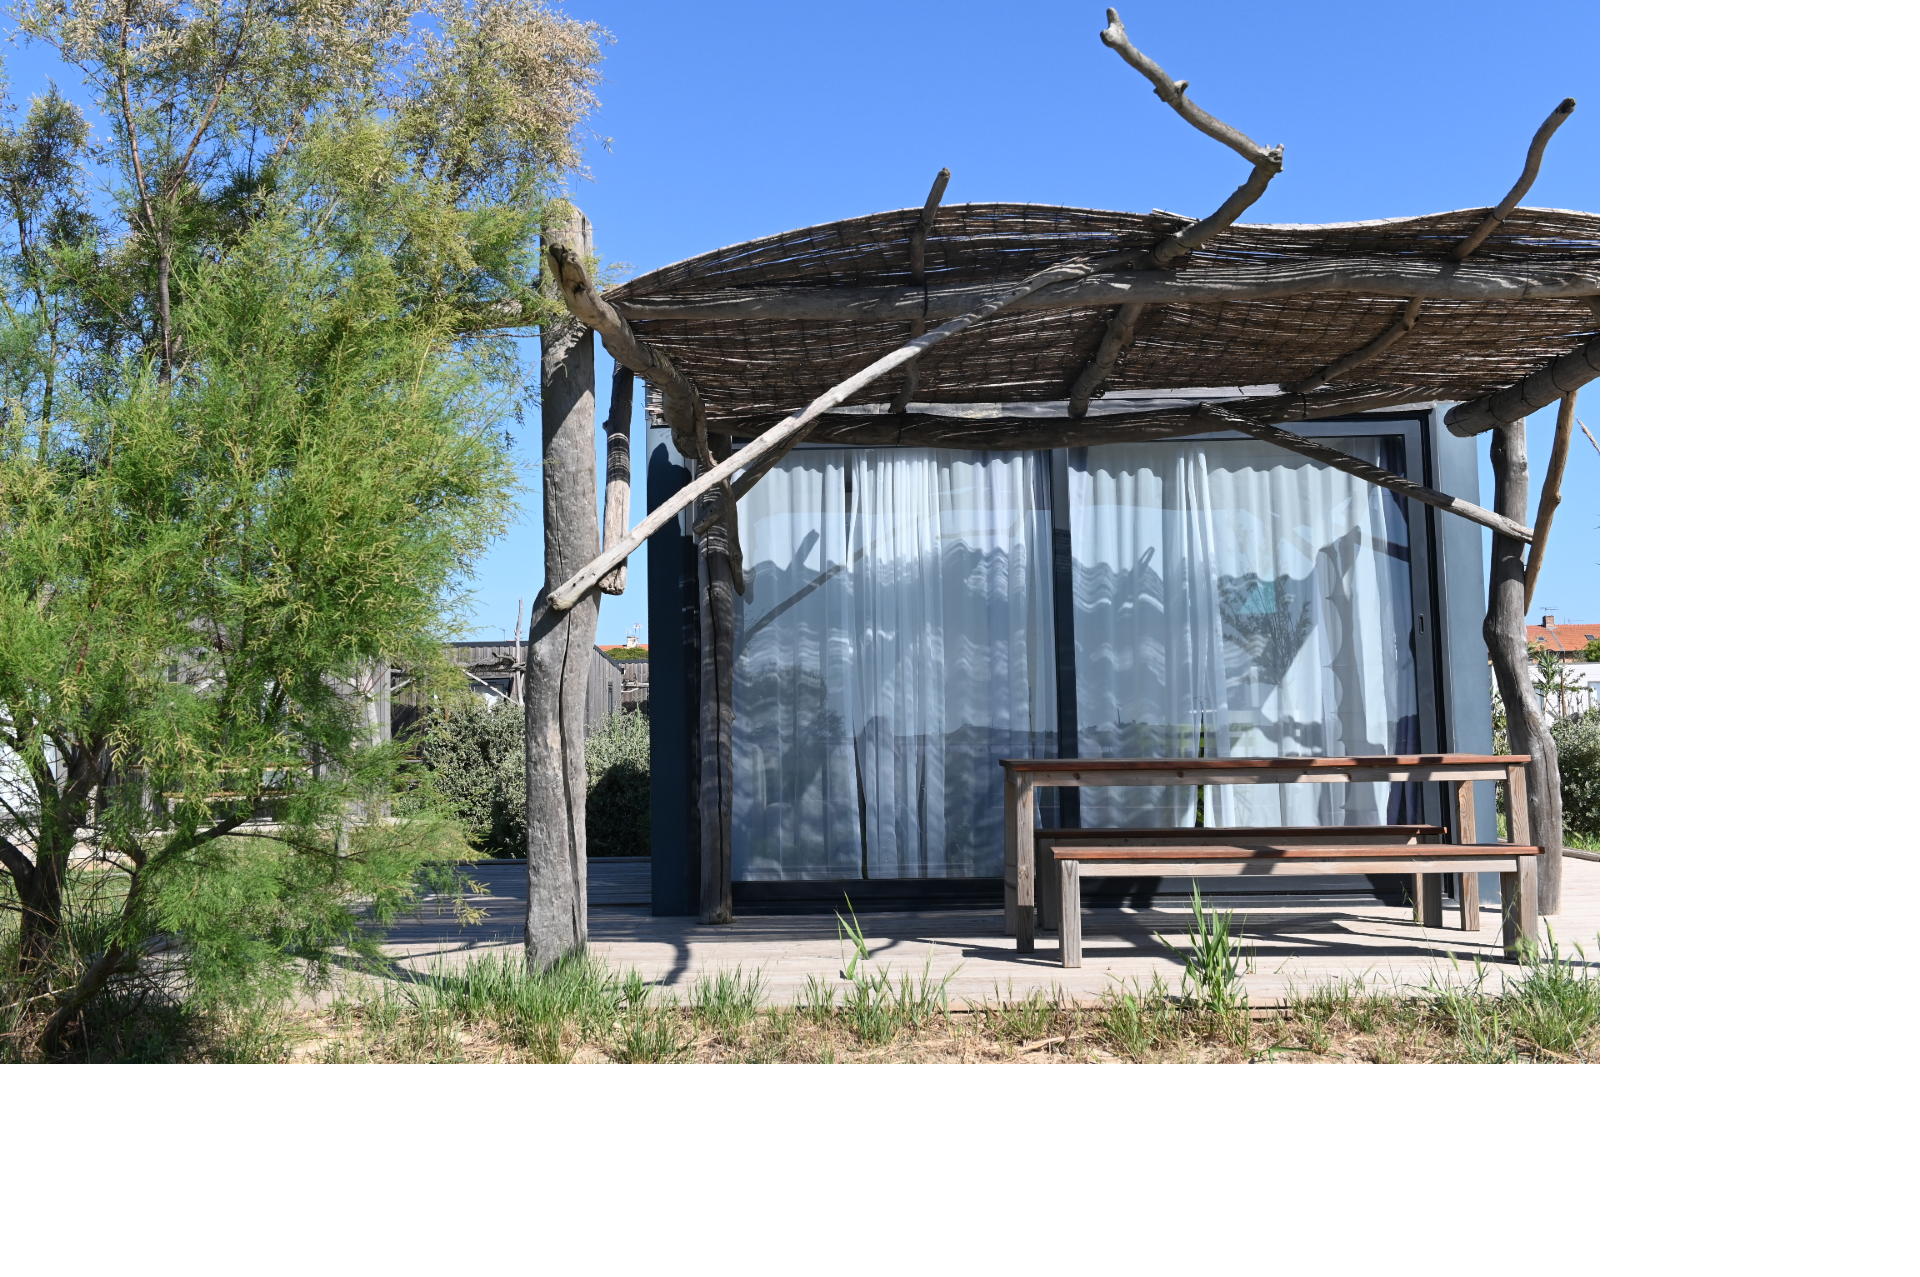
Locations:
619 427
800 421
917 264
1549 496
1535 812
1328 455
560 640
1556 381
714 552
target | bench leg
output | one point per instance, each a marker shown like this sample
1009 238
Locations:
1519 904
1048 882
1427 898
1019 861
1068 897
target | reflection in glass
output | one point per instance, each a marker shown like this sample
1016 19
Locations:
1237 586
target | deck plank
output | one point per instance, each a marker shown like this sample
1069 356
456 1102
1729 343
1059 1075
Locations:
1296 946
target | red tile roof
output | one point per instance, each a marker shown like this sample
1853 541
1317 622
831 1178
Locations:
1564 638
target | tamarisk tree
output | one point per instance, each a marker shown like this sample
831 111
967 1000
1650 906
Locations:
252 438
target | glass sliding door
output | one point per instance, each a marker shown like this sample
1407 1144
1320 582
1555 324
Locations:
1232 598
894 643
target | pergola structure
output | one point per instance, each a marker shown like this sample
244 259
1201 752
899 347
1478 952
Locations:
1019 326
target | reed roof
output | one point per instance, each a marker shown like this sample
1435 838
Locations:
750 369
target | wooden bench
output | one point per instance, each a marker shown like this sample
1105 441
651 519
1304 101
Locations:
1515 865
1426 892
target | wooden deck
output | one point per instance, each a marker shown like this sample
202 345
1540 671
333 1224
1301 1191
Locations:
1294 947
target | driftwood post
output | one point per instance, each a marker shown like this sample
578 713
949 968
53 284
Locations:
560 643
1506 634
619 427
715 567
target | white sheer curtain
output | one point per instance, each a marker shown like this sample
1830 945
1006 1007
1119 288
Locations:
1234 597
896 641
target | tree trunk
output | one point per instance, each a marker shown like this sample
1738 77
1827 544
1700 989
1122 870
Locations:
1506 634
560 644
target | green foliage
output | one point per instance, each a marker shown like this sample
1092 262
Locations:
477 757
1592 650
725 1001
620 787
1577 737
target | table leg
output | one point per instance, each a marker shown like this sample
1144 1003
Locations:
1069 900
1021 813
1469 882
1010 855
1522 824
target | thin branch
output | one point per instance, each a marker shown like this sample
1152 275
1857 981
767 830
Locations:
1330 456
580 582
1535 150
1549 496
1589 434
1174 93
917 257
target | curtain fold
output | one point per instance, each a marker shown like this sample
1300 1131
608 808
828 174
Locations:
896 642
1235 599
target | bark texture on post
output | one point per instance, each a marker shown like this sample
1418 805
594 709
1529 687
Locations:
619 473
715 557
560 643
1506 634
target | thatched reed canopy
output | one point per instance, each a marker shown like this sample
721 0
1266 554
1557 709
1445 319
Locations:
763 327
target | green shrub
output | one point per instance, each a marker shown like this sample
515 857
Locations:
479 764
619 787
1577 737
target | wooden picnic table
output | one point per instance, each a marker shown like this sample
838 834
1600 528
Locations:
1024 775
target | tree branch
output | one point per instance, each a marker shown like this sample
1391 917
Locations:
1555 381
1174 93
1549 496
917 257
1536 149
1328 455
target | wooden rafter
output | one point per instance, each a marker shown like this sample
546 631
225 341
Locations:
1557 380
1398 277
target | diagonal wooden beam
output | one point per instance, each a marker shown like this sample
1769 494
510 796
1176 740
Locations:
577 585
1328 455
917 258
1549 496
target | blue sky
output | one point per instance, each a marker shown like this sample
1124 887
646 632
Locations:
729 121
